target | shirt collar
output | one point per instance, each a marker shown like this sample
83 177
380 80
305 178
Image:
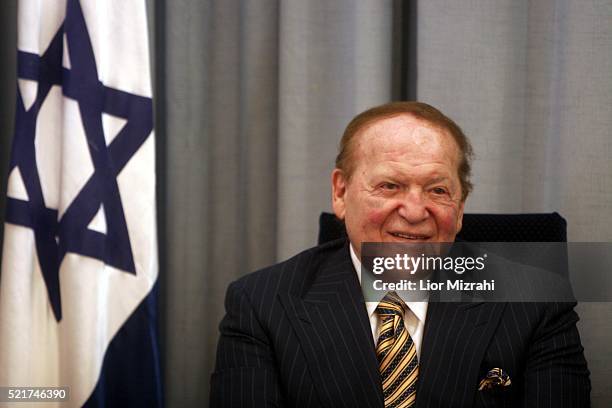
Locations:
418 308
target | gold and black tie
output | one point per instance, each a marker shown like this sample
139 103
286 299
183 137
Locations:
396 352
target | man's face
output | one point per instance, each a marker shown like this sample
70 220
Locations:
405 185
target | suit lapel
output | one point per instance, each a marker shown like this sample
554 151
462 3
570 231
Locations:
455 339
333 328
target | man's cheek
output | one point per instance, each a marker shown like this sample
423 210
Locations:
377 210
447 219
375 217
373 202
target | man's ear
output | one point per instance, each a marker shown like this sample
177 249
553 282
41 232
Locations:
460 216
338 181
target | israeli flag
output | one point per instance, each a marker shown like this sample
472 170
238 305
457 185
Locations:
79 265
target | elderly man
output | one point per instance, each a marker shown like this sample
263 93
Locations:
299 334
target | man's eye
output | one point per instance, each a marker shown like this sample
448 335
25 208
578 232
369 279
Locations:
389 186
439 190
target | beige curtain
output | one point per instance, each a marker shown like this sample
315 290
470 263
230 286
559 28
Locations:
256 97
531 83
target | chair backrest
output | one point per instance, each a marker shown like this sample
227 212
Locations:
550 227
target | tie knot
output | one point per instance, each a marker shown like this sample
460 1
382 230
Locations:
391 304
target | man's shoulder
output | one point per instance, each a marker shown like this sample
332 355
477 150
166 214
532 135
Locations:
295 274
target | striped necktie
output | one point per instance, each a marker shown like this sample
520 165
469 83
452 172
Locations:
396 352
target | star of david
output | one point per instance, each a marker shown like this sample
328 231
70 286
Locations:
55 237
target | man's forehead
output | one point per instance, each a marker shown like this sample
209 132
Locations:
400 120
402 131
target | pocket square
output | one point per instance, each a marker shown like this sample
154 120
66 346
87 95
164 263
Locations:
495 378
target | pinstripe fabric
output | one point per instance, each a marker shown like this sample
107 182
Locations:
291 328
397 356
536 344
297 334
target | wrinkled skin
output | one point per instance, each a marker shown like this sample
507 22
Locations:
405 185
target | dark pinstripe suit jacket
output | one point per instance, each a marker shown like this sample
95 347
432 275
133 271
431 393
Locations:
297 334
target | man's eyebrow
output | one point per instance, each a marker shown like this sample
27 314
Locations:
438 179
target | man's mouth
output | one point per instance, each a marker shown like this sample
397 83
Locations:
410 237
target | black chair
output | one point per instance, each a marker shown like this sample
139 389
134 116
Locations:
481 228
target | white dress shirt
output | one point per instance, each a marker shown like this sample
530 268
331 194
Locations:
414 320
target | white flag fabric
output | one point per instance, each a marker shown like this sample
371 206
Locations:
79 262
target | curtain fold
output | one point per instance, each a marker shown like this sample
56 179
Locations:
258 94
221 86
335 61
531 84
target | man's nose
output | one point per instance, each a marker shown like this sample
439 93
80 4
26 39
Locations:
413 207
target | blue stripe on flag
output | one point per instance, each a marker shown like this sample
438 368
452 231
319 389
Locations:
131 375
